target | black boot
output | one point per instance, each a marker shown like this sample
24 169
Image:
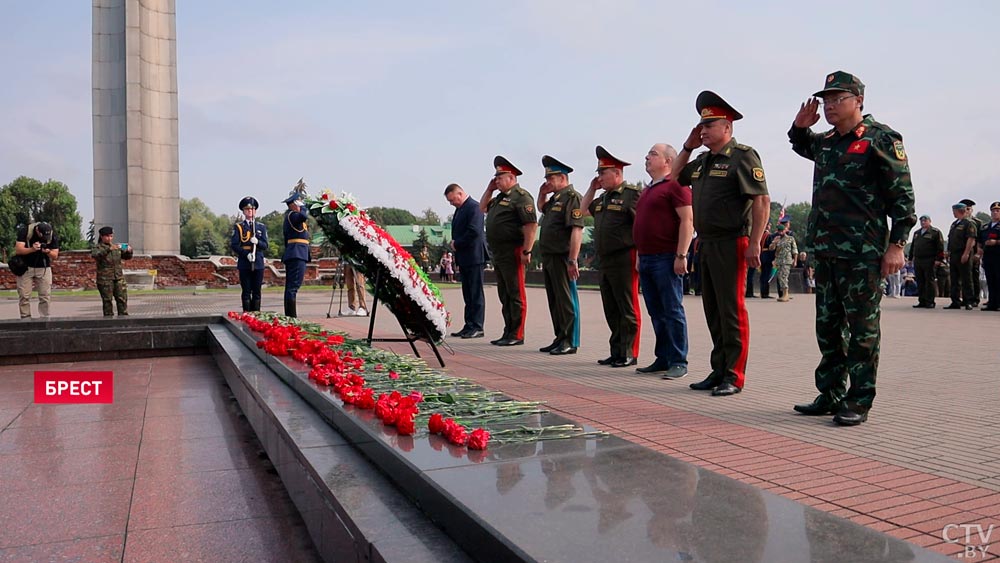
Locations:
246 305
255 304
290 308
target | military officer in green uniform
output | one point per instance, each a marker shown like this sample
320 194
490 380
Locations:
861 179
926 249
731 205
559 245
110 276
614 214
961 246
974 261
510 233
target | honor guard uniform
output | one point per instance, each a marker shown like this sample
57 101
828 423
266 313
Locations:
614 215
249 243
559 244
296 231
506 216
724 184
989 241
110 275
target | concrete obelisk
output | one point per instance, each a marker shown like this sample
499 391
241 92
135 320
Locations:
136 188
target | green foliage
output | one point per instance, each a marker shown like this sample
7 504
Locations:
429 217
984 218
384 216
275 239
797 212
25 200
203 232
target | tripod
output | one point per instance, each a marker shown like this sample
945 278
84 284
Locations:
338 280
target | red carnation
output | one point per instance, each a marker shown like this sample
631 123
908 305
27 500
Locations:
436 424
405 425
478 439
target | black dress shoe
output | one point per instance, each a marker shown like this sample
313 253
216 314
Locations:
623 362
555 344
652 368
819 407
920 306
724 389
511 342
608 361
498 340
766 297
706 384
474 334
563 349
953 306
851 417
968 307
460 334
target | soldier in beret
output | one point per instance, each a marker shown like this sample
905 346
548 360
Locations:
927 248
861 179
559 243
989 241
614 216
510 233
249 243
961 247
731 206
110 276
297 239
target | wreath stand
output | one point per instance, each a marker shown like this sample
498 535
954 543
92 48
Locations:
408 337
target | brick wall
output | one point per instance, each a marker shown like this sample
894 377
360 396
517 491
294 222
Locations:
76 269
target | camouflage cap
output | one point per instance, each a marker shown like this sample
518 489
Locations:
841 81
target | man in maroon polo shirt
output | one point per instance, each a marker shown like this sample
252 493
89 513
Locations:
663 223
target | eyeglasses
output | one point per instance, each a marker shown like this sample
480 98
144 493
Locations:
836 101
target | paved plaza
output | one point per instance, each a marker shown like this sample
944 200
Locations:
928 457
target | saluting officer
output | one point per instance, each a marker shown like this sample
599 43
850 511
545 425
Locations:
559 244
927 248
614 215
731 205
989 242
510 233
249 243
296 231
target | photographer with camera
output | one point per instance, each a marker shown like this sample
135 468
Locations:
37 245
110 275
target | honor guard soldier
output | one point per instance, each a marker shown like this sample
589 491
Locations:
926 249
961 247
989 242
731 205
861 181
110 275
296 231
510 233
559 244
614 216
249 243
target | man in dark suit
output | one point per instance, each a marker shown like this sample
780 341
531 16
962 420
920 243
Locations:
469 242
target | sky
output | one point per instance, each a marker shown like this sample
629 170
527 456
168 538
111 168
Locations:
392 101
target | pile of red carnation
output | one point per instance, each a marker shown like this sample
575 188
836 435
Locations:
340 369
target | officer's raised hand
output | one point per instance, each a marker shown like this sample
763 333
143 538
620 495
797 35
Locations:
595 183
492 186
808 114
694 138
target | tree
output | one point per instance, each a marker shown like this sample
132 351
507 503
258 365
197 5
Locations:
984 218
274 221
384 216
27 200
203 232
430 218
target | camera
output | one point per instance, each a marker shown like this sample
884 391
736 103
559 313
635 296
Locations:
43 246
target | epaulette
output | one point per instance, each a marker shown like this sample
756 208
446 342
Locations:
743 147
634 188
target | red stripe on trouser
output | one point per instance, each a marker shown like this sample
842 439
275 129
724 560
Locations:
520 288
635 303
743 318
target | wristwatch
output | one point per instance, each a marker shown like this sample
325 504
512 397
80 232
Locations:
900 243
526 252
571 261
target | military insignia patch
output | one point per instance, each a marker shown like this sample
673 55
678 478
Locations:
858 147
529 208
897 147
829 78
577 213
758 174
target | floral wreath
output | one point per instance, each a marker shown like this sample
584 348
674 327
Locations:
405 289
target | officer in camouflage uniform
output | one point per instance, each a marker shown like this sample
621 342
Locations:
961 247
974 259
927 248
786 251
110 276
559 244
861 178
614 215
511 223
